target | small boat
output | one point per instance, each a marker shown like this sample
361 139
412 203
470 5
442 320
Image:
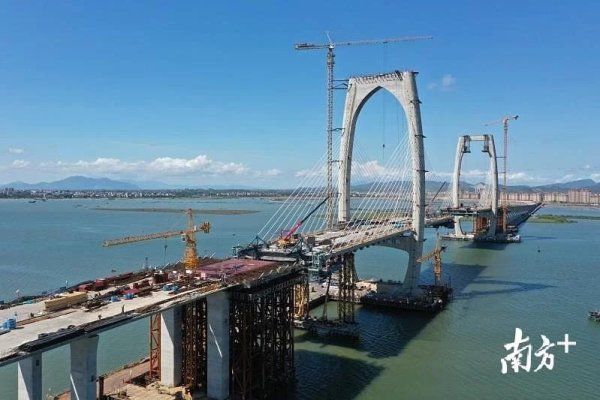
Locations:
32 201
595 316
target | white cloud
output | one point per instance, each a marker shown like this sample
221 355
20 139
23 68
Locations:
161 166
566 178
268 173
448 82
595 176
15 150
372 169
473 174
20 163
309 173
522 177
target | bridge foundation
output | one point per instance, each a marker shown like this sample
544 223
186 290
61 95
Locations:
217 354
84 354
170 347
30 378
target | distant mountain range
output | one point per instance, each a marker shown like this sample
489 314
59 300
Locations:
75 183
558 187
553 187
86 183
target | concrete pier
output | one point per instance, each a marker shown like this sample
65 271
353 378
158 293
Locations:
84 354
30 378
170 347
217 309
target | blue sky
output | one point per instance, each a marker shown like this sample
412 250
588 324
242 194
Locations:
213 93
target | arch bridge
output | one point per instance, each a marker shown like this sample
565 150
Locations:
486 214
391 213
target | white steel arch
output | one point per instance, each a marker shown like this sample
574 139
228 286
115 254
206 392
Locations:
402 85
464 146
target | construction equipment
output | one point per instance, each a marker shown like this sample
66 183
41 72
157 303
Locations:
436 256
330 46
504 122
435 197
190 257
286 239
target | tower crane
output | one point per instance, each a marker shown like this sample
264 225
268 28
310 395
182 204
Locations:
330 46
188 235
436 256
504 121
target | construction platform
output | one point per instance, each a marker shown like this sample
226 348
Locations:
328 328
433 299
134 296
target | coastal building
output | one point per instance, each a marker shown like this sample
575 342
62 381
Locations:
579 196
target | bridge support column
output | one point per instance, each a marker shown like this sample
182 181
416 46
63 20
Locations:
413 269
170 347
457 228
217 357
30 378
84 354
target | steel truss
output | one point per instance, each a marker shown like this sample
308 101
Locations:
193 332
347 283
262 339
154 372
301 298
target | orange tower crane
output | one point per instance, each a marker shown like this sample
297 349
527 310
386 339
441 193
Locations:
436 256
190 256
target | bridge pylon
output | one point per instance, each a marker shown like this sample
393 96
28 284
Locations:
402 85
484 225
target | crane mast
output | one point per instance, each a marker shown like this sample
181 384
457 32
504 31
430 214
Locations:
436 256
330 87
190 257
505 120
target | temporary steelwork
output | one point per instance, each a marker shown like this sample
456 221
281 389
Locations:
347 284
301 298
154 371
193 332
262 339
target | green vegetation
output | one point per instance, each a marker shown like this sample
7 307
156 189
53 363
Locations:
562 219
551 219
588 217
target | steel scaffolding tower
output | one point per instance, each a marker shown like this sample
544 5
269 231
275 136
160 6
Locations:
347 283
193 334
262 339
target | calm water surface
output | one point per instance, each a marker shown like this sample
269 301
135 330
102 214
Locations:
453 355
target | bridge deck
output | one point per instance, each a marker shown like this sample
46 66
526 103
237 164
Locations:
54 326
